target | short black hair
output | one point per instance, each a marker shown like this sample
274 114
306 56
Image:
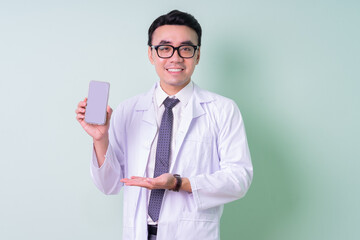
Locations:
175 17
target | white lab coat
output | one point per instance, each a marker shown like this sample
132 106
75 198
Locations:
211 150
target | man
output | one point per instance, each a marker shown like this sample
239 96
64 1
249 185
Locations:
179 152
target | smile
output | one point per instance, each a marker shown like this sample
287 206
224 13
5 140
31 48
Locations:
174 69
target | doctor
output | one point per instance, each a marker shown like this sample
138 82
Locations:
178 152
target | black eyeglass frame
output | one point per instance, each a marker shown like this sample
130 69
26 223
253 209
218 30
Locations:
175 49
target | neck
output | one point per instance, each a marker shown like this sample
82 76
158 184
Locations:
172 89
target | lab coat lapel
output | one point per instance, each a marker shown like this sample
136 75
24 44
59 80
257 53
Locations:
147 128
192 111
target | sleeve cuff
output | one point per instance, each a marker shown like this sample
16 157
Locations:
108 157
194 189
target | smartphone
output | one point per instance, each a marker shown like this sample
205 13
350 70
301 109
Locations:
97 102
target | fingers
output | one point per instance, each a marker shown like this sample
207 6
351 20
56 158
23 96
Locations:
80 115
81 107
136 177
82 103
80 110
139 182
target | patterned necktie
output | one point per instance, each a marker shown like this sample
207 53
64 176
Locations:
162 156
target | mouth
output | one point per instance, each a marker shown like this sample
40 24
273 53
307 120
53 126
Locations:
174 70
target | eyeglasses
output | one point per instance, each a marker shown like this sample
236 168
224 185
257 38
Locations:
167 51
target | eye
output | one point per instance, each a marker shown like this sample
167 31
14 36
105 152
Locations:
186 49
164 48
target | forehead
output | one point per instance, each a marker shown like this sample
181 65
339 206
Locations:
174 34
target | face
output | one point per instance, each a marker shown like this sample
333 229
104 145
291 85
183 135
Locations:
174 72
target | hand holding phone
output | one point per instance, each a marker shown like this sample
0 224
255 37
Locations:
94 115
97 132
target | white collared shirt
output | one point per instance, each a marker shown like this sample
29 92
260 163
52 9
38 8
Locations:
184 96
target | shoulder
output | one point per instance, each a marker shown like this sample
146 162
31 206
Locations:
141 101
220 110
214 100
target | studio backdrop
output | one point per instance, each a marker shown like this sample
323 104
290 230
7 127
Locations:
291 66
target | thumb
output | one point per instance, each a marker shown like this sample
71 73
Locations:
109 113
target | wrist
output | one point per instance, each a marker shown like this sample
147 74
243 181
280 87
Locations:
101 139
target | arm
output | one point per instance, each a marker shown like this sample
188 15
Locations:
99 133
105 167
235 173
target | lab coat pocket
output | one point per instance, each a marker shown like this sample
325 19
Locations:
195 226
198 150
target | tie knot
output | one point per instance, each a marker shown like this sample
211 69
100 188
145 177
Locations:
170 102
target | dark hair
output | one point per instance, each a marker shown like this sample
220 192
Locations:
175 17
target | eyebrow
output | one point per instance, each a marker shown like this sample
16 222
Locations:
187 43
182 43
164 42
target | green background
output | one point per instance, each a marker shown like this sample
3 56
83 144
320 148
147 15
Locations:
291 66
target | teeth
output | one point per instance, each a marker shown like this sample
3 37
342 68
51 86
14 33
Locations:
174 70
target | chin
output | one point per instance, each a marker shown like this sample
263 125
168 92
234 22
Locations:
177 82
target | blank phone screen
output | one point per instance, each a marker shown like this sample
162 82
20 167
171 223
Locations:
97 102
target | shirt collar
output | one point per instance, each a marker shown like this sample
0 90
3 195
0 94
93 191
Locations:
183 95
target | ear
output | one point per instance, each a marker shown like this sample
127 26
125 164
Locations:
198 56
150 55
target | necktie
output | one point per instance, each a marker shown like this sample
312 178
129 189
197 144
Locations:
162 156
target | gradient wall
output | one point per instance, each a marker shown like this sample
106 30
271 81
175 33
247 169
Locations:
291 66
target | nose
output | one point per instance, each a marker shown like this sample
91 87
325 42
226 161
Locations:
176 57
